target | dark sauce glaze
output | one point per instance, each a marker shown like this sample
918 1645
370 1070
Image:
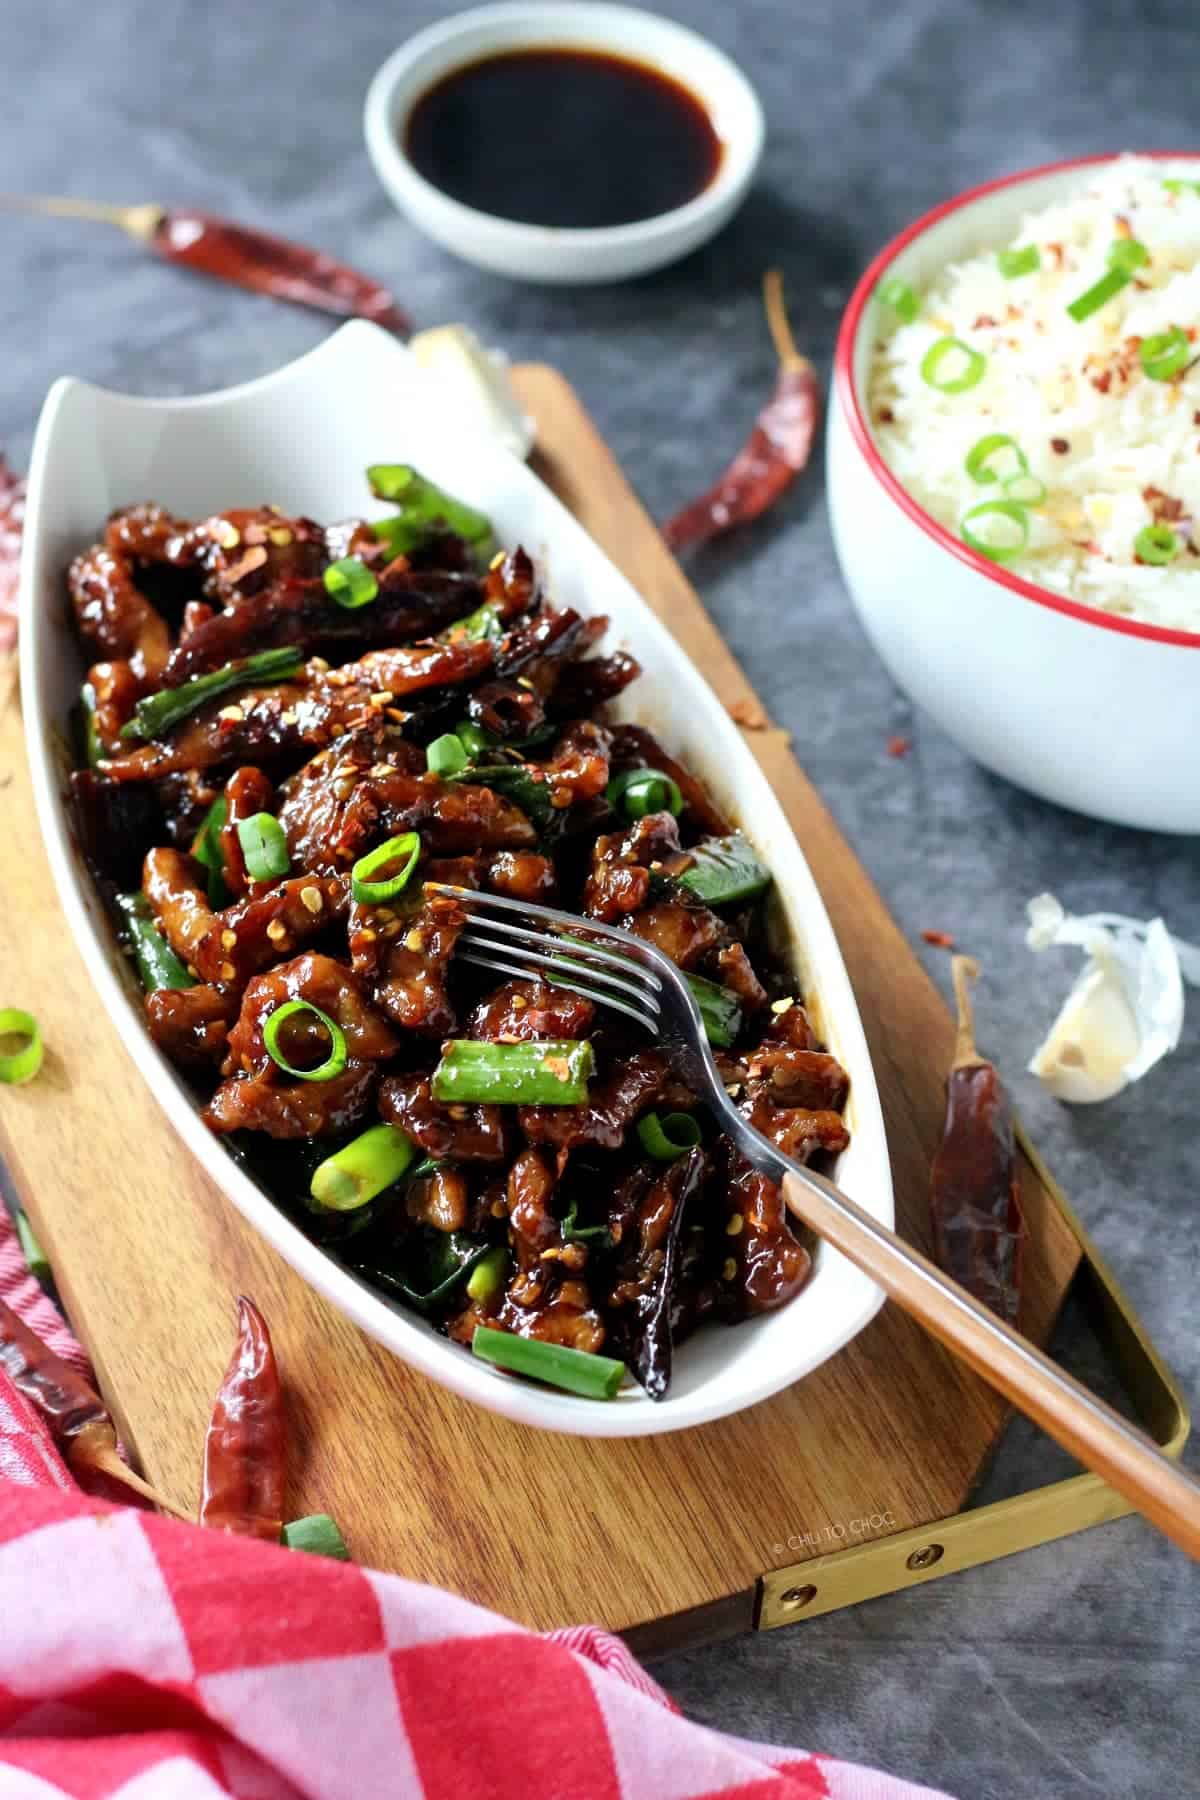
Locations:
573 139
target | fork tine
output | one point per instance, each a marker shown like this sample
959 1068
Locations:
592 956
530 973
481 906
553 967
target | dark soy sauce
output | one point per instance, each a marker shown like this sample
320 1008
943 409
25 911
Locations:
573 139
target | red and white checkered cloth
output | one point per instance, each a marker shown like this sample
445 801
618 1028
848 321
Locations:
142 1659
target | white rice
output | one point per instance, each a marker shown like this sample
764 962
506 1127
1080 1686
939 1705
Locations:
1132 444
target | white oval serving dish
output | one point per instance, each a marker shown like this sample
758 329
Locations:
540 252
302 437
1082 707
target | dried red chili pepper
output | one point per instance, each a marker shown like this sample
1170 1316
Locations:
252 259
12 521
775 452
978 1230
74 1413
245 1452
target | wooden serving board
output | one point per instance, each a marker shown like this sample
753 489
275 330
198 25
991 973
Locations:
664 1538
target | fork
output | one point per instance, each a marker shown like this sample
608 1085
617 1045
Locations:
617 970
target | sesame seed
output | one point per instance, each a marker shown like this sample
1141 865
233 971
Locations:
728 1269
733 1089
277 931
380 770
415 939
779 1007
523 681
312 898
227 535
280 535
392 930
227 971
519 1002
228 940
289 717
319 664
233 714
382 697
733 1224
365 936
497 560
498 1209
193 971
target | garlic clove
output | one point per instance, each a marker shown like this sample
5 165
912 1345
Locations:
1084 1055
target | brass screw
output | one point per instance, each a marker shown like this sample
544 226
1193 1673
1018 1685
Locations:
926 1557
792 1599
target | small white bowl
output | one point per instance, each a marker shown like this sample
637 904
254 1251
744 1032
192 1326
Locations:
539 252
303 437
1095 712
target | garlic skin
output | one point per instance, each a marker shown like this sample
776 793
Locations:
473 384
1125 1010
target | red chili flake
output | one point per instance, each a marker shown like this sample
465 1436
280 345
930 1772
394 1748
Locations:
885 416
1196 418
940 939
1056 251
1164 506
899 746
985 320
1060 446
748 713
1103 381
12 519
776 451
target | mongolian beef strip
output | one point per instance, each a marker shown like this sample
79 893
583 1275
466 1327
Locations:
425 715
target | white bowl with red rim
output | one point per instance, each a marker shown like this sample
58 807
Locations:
1096 712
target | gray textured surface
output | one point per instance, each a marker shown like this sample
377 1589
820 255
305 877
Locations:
1069 1671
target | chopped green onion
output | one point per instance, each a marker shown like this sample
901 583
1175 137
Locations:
475 627
1098 295
157 964
336 1060
423 507
350 584
404 850
554 1072
523 783
159 712
1126 254
641 791
1024 261
364 1167
981 453
18 1066
723 870
1006 546
37 1262
473 738
486 1279
667 1136
1156 545
578 1371
208 852
574 1233
317 1534
971 366
902 299
447 755
264 847
720 1011
1165 354
1025 488
1176 184
93 749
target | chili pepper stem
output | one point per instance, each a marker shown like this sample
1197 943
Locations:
964 970
141 221
778 323
95 1449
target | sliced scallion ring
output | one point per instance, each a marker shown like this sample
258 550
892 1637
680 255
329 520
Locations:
21 1065
1165 353
1127 255
944 357
667 1136
350 583
1024 261
1176 184
447 755
981 454
1025 487
902 299
334 1063
1013 534
1156 545
264 847
638 792
403 851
